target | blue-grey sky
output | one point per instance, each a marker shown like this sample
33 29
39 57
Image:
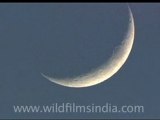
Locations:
65 40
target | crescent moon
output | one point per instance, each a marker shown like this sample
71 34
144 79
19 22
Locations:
107 70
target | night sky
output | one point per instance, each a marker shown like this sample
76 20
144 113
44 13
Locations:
67 40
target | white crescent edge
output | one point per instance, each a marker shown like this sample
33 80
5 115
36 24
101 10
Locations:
108 69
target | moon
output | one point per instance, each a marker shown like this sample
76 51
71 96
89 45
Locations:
108 69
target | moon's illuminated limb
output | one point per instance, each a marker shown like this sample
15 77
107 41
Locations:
108 69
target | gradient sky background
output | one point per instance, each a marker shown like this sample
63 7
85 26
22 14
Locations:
64 40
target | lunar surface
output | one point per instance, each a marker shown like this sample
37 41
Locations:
108 69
